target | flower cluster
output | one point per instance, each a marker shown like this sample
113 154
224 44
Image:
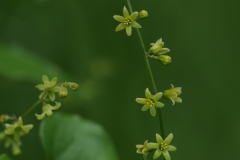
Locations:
48 89
151 101
157 51
161 147
12 134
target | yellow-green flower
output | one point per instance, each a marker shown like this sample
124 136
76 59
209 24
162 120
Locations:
49 87
157 49
127 21
162 146
47 110
156 52
17 128
150 102
12 135
173 94
142 149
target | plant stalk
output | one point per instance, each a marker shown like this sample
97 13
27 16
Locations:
150 73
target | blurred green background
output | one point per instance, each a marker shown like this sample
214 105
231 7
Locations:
75 41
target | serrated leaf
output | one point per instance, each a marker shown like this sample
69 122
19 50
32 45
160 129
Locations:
74 138
17 63
4 157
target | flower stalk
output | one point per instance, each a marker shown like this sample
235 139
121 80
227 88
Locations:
150 72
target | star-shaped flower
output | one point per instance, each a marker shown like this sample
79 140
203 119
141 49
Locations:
49 87
12 135
47 109
128 21
173 94
150 102
162 146
17 128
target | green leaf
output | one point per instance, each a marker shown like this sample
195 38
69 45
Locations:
17 63
74 138
4 157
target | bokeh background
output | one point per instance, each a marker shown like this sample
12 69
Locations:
75 40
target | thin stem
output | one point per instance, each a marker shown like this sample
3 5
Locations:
39 101
31 108
150 72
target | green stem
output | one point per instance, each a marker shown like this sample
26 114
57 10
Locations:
31 108
150 72
40 100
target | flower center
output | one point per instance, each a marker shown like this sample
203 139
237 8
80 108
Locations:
150 102
163 146
127 22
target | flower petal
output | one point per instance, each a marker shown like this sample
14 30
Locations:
152 145
166 155
157 154
40 116
172 148
173 102
129 30
136 25
119 18
159 138
40 87
162 51
178 100
51 96
20 122
178 90
45 79
159 104
139 146
169 138
26 128
125 12
120 27
153 111
157 96
145 107
53 82
141 100
133 16
148 93
58 104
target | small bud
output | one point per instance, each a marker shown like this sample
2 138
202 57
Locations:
166 60
4 118
63 92
142 14
74 86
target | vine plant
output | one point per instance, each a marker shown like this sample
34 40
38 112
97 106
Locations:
151 102
15 129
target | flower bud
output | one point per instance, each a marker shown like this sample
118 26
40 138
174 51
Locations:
142 14
4 118
63 92
166 60
74 86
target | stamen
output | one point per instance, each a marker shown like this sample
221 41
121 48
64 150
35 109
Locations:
127 22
